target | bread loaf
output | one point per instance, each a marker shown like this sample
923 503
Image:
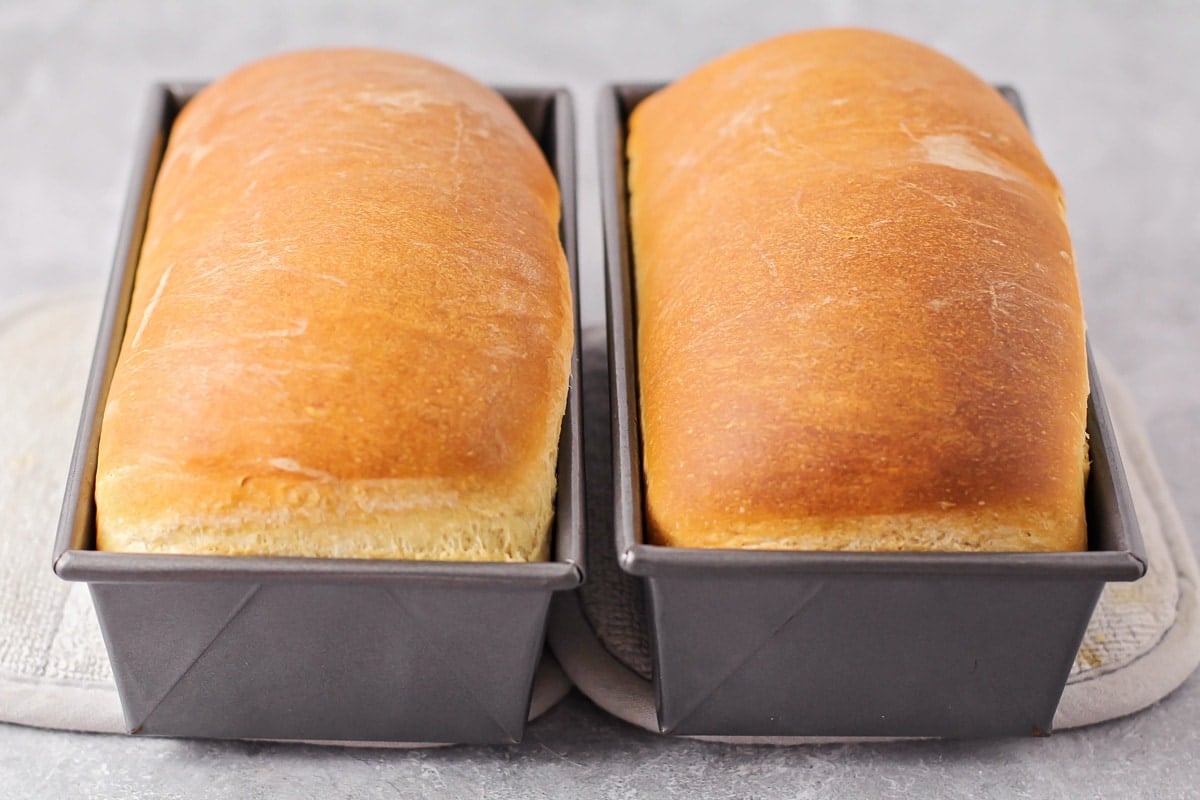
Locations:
351 324
859 321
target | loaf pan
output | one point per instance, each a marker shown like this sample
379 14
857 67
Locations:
753 643
321 649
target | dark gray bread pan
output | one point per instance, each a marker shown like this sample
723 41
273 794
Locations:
319 649
849 644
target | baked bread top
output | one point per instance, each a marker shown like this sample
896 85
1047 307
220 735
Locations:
351 325
859 321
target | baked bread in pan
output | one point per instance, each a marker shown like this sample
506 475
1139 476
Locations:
351 323
858 316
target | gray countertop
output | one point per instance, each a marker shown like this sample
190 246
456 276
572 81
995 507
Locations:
1113 91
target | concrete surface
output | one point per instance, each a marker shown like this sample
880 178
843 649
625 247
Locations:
1113 91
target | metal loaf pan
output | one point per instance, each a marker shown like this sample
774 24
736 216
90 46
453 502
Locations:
849 644
323 649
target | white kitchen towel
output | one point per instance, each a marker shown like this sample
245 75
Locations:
54 671
1142 643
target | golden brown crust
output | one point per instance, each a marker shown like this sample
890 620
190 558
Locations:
351 305
859 323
